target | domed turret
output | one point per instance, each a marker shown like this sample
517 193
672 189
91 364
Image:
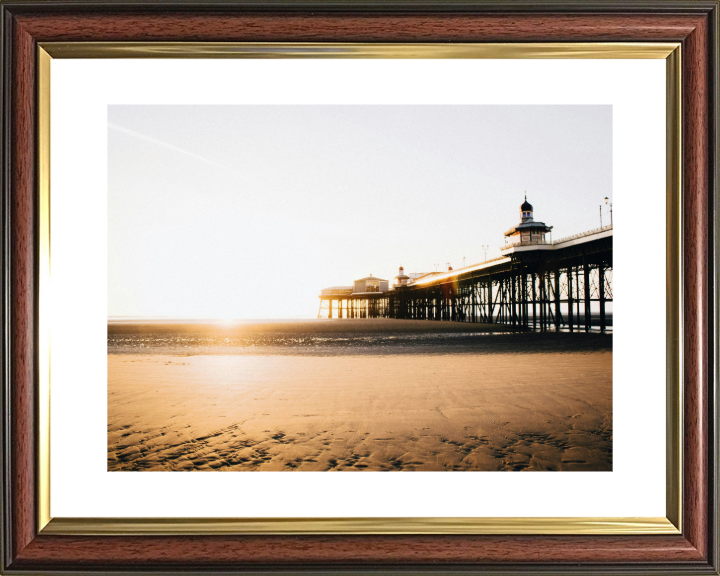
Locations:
401 279
526 211
528 232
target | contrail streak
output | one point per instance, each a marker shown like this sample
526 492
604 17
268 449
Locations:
172 147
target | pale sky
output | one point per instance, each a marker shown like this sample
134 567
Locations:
248 211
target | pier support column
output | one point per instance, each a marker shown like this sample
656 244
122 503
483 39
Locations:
523 296
476 308
513 316
577 294
533 277
502 296
508 300
547 309
601 293
330 308
558 316
570 297
489 295
543 299
546 300
586 274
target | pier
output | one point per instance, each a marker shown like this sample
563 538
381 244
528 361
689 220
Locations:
535 284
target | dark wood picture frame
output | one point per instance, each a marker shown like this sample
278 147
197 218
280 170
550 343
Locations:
692 23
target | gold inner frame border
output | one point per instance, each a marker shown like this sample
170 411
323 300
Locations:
671 524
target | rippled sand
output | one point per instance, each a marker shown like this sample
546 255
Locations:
544 407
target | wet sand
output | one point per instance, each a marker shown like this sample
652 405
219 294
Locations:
531 402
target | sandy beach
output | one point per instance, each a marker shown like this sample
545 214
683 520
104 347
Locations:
478 402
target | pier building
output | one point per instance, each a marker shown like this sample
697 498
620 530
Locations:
536 283
361 300
370 284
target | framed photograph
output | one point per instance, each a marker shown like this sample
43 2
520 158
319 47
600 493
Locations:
295 287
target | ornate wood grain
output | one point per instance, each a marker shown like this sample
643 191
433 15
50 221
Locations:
318 27
25 551
696 183
220 552
22 293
